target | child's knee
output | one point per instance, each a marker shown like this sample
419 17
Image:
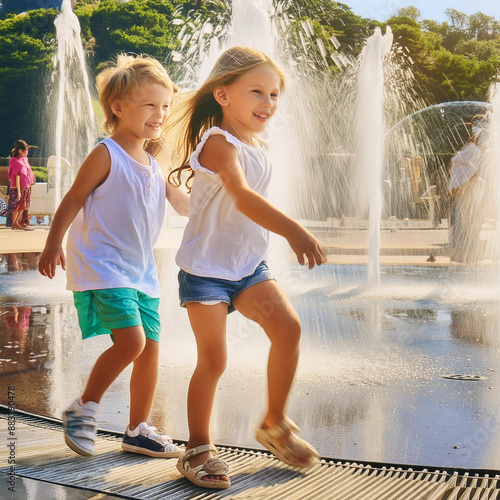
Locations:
151 349
294 330
214 363
131 345
289 334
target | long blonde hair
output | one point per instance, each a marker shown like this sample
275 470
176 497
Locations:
125 76
200 111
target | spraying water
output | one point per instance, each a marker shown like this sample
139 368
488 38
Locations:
360 346
370 125
75 131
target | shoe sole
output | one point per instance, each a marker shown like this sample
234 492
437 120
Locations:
213 485
73 445
298 465
151 453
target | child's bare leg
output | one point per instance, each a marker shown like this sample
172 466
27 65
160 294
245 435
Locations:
16 217
209 327
266 304
128 345
143 383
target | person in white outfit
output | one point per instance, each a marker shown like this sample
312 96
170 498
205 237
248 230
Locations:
222 257
468 198
116 208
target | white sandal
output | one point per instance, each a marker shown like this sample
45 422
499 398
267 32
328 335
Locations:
283 442
212 467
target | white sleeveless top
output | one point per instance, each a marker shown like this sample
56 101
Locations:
220 241
110 243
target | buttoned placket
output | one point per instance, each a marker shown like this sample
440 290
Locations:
147 175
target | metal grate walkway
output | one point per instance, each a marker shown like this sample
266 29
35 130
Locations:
41 454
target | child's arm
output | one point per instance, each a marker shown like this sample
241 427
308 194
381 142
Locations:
178 198
18 186
91 174
222 157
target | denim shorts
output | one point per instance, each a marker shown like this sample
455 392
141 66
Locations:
101 311
213 290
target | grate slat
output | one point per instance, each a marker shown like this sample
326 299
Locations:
43 455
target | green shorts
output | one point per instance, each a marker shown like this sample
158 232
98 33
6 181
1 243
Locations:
102 311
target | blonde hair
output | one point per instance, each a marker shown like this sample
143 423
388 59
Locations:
125 76
200 110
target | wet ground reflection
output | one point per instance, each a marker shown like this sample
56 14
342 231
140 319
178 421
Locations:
24 261
369 385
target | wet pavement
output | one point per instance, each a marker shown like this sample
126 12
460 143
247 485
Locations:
371 381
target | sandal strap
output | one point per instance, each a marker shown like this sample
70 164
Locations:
282 429
212 467
191 452
200 449
290 425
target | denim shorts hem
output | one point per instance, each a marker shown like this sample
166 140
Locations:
190 300
194 288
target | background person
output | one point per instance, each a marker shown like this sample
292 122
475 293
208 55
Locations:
467 200
21 179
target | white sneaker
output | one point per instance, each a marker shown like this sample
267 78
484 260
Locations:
80 427
145 440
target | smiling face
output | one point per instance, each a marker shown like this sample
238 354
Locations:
249 102
142 112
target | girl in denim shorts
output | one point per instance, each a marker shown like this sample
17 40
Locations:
223 252
116 207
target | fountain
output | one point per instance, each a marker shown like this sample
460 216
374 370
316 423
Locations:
75 124
371 380
370 121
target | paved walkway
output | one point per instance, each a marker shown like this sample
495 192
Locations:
403 247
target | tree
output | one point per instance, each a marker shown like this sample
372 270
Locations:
26 48
320 28
135 26
482 50
410 12
464 78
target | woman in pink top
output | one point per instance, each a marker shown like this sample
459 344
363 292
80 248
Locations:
21 179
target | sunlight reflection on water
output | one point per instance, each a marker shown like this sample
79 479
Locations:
369 384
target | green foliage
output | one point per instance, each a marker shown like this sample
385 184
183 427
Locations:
26 48
411 12
137 26
455 59
84 11
334 25
40 173
482 50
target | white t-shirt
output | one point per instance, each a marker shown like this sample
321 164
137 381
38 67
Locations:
465 164
110 243
220 241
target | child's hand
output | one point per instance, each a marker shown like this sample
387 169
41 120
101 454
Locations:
52 256
304 243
